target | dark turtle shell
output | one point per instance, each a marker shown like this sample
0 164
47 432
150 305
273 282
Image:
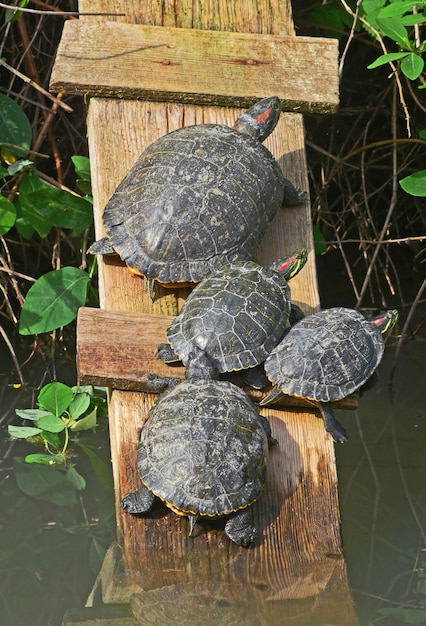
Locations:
326 356
235 316
196 199
203 449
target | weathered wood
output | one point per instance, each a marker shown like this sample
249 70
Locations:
299 552
196 66
102 616
117 349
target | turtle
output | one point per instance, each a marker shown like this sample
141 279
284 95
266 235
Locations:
198 198
203 452
326 356
235 316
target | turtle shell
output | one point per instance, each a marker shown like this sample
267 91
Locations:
326 355
235 316
196 199
203 449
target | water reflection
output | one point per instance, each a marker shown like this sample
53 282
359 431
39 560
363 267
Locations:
46 567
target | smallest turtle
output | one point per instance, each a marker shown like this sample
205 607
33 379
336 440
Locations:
326 356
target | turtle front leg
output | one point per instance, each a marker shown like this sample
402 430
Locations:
139 501
332 426
166 353
240 529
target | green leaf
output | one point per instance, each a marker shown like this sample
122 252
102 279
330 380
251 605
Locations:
23 432
11 15
44 459
18 166
52 439
75 479
397 9
31 414
3 172
319 241
51 206
55 397
385 58
332 18
392 27
412 66
102 471
415 184
23 228
79 405
7 215
45 482
86 423
51 424
82 167
422 133
15 127
53 301
414 18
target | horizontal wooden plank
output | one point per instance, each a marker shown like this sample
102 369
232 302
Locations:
157 63
117 349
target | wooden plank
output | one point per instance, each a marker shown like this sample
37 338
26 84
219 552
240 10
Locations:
110 353
196 66
299 556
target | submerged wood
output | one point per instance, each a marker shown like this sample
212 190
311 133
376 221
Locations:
297 564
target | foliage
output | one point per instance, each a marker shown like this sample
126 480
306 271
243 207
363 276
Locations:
63 412
366 159
54 299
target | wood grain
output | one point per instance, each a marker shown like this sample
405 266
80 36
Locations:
117 349
196 66
297 565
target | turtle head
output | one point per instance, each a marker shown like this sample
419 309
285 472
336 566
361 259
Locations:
260 120
385 321
289 266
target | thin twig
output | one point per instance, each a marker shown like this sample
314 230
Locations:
393 66
16 9
13 355
31 82
392 204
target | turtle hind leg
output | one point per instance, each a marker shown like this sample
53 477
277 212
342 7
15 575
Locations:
240 529
256 377
332 426
139 501
293 196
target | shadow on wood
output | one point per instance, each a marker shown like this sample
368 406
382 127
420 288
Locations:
297 564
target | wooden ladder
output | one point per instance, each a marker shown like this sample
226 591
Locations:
154 67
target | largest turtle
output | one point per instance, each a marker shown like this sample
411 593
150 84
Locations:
198 198
203 452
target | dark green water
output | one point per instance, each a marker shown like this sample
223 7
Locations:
49 555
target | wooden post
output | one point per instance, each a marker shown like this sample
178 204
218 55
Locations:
298 561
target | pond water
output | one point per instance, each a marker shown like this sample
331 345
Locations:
49 555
